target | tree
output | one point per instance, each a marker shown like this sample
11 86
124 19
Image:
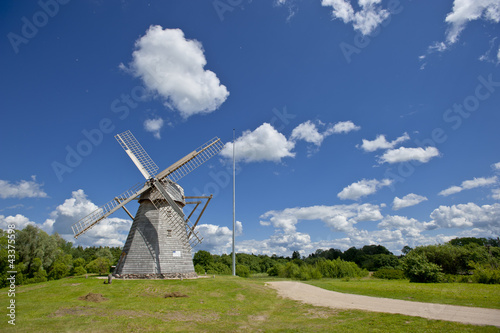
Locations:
203 258
405 250
295 255
100 266
418 269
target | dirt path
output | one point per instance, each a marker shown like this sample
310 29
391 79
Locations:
321 297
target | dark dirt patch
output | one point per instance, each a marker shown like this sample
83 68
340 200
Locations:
91 297
175 294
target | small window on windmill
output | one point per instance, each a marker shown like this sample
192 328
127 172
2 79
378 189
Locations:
169 212
169 233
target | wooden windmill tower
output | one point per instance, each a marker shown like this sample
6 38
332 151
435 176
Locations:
161 237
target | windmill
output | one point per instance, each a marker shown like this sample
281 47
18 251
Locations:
161 237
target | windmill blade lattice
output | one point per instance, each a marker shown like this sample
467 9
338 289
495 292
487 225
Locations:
138 155
104 211
192 161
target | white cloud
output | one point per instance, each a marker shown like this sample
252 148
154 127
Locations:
216 239
109 232
408 200
468 215
451 190
495 193
463 12
345 127
469 184
173 67
365 20
21 189
154 126
308 132
263 144
403 154
380 142
362 188
496 166
337 217
19 221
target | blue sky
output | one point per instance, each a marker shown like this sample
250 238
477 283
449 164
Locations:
357 122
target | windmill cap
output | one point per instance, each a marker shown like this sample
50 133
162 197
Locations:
175 191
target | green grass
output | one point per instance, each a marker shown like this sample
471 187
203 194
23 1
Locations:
220 304
465 294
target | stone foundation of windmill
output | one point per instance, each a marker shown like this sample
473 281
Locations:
157 246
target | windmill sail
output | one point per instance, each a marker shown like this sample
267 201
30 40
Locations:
104 211
137 154
192 160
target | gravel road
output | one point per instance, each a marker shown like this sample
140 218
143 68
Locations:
321 297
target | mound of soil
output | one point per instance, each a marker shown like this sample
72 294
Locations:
91 297
175 294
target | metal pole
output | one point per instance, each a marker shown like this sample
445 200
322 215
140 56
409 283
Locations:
234 204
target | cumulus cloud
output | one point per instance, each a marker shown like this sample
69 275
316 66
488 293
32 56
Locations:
365 20
470 215
19 221
463 12
496 166
408 200
469 184
343 127
308 132
363 188
22 189
263 144
381 142
216 239
154 126
109 232
337 217
403 154
495 193
173 67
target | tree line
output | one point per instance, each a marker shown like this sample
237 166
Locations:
40 257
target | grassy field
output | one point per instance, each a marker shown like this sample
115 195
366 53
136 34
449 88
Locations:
465 294
220 304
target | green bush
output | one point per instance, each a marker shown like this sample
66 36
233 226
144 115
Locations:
418 269
486 274
389 274
218 268
100 266
79 270
242 271
339 268
58 271
290 270
275 270
199 269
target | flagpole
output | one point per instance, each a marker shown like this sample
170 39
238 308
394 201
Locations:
234 204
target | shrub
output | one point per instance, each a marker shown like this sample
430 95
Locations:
79 270
100 266
218 268
418 269
242 271
58 271
290 270
486 274
389 274
339 268
199 269
275 270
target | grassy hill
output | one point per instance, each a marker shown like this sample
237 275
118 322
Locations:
220 304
